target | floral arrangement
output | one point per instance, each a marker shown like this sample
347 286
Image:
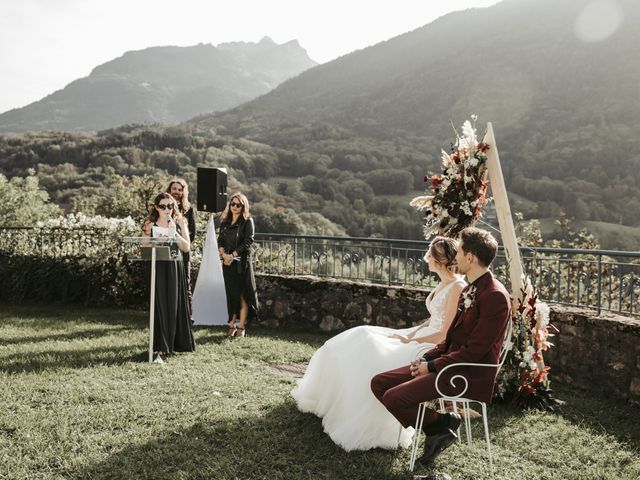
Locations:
524 378
456 196
468 297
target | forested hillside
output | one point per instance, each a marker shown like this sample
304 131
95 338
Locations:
115 172
558 79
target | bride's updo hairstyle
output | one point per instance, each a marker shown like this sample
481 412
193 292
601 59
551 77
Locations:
444 250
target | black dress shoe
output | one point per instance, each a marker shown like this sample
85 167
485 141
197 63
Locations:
453 421
438 442
435 445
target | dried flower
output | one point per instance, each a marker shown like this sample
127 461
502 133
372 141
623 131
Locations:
459 192
524 377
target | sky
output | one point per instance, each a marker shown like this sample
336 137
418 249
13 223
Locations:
46 44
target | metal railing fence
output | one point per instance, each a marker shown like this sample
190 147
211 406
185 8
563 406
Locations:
604 280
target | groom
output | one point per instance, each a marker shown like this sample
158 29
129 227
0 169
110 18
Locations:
475 336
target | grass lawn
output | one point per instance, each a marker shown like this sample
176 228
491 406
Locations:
79 401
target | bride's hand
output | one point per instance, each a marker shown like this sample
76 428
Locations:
403 339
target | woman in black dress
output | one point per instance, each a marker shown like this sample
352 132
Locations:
172 322
179 190
234 242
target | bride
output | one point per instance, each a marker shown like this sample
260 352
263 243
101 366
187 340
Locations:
336 384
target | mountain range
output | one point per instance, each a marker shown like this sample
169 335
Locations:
343 146
557 78
163 85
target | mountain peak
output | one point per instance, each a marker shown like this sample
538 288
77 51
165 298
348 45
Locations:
267 41
163 84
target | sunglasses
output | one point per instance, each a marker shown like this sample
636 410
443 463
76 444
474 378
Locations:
235 205
164 206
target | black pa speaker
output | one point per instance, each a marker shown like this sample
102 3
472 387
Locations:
212 189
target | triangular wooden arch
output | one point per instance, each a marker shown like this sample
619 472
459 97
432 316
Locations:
503 212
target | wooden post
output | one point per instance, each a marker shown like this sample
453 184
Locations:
503 211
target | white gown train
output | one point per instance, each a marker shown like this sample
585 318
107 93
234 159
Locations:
336 384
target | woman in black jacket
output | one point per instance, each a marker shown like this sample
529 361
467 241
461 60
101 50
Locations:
234 242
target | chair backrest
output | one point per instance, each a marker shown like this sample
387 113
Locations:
507 344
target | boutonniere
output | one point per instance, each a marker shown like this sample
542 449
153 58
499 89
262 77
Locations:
468 298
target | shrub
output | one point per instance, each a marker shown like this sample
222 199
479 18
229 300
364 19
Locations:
76 259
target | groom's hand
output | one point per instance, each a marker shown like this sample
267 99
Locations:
418 368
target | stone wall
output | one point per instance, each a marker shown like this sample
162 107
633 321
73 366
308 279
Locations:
595 353
331 305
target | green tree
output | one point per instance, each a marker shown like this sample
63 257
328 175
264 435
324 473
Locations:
389 181
124 197
27 201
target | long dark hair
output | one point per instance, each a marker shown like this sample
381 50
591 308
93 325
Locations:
153 213
227 216
184 203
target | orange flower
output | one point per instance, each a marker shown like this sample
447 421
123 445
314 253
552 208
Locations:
542 376
541 335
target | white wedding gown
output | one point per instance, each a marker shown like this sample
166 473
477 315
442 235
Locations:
336 384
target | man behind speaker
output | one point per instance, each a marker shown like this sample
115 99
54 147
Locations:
234 242
179 190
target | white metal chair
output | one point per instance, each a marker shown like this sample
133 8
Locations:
506 346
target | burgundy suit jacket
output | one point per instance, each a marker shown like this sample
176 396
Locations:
475 336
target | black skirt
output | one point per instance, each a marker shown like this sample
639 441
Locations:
172 320
239 280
